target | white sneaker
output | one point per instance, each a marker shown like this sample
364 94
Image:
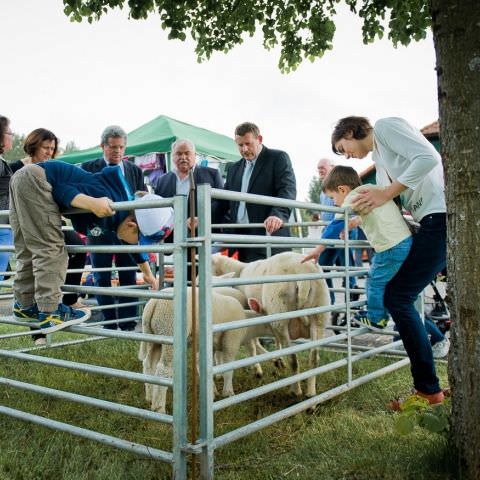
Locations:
440 349
40 341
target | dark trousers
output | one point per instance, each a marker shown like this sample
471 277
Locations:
427 257
336 256
104 279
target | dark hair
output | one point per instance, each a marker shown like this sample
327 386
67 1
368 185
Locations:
35 139
341 175
247 127
350 127
4 123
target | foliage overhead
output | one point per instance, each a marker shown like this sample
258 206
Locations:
303 29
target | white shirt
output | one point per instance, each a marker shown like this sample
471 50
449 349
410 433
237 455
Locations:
402 153
384 226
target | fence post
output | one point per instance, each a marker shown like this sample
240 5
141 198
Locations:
180 423
205 331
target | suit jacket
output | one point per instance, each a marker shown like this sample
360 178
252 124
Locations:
167 184
133 174
272 176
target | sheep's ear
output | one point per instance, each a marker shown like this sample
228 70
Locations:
227 275
254 305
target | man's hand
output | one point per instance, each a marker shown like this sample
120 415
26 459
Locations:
189 223
272 224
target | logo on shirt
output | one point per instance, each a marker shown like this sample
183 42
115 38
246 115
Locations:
417 205
95 231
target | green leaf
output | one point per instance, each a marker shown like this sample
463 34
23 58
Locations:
404 425
433 423
414 403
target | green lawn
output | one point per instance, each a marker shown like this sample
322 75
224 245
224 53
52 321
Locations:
350 437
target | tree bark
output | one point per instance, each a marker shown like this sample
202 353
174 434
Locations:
456 31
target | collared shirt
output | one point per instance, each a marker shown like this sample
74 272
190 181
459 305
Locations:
183 186
122 167
242 214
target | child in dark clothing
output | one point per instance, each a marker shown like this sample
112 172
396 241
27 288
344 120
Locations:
37 193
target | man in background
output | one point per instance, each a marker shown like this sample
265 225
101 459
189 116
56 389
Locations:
113 143
261 171
177 182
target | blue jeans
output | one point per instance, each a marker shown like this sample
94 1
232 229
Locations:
435 334
427 257
104 279
6 238
383 268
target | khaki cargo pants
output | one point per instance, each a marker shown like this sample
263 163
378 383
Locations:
39 244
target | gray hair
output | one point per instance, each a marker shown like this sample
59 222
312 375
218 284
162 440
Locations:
181 141
113 131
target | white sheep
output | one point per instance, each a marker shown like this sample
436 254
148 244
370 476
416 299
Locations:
271 298
254 346
157 359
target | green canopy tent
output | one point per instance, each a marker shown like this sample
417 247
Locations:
158 136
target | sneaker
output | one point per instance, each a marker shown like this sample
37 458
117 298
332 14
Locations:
62 318
40 341
433 399
28 313
360 319
440 349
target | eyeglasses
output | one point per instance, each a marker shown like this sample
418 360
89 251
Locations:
115 147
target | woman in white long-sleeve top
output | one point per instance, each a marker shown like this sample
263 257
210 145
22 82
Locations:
410 167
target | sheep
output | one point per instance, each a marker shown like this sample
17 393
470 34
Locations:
157 359
254 346
270 298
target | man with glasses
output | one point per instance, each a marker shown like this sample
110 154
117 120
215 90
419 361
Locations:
113 143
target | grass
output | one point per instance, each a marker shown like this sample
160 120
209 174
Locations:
349 437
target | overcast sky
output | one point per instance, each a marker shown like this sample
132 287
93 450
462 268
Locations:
75 79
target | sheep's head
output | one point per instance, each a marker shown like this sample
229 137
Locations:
222 264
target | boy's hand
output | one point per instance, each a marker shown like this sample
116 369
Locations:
354 222
314 254
101 207
151 280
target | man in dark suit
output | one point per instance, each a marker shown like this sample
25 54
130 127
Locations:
177 181
261 171
113 143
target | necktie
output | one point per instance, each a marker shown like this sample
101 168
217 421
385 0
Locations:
242 215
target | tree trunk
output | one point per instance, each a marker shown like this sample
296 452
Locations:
456 31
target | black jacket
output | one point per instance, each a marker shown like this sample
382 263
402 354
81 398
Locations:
272 176
133 174
167 184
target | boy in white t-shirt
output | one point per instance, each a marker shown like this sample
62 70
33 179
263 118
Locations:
385 229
